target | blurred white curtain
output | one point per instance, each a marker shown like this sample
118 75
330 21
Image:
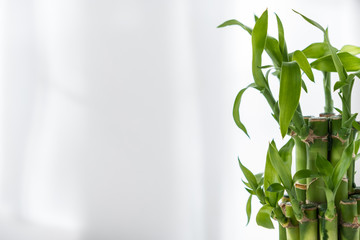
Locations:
116 116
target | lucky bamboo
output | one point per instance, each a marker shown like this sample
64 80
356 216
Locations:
309 224
349 228
318 145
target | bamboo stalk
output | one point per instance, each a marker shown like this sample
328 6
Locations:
349 228
318 145
301 150
337 147
357 198
309 224
329 104
328 228
292 229
351 170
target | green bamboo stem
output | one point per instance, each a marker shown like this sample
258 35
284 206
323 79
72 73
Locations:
328 227
349 228
337 147
282 232
301 161
309 224
351 170
292 229
318 145
329 104
357 198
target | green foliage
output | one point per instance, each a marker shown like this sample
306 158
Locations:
303 174
248 209
250 177
326 63
263 218
289 95
236 109
283 171
275 188
317 50
304 64
354 50
258 39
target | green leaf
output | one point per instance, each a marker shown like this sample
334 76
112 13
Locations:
303 85
304 64
330 199
324 167
326 64
350 121
304 173
258 39
235 22
258 176
280 167
337 63
250 191
275 187
338 110
248 209
289 94
273 50
236 109
249 176
311 21
286 153
357 143
342 166
270 177
263 217
282 43
339 84
317 50
354 50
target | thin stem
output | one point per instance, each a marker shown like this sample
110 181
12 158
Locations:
329 104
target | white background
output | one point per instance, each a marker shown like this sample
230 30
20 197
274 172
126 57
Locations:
116 116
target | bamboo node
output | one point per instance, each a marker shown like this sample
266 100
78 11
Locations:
312 137
343 141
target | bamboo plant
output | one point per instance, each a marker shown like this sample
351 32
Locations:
320 200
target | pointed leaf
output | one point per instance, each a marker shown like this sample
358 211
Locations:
270 177
338 110
303 86
248 209
280 167
236 109
354 50
350 121
258 39
263 217
311 21
304 173
282 43
326 64
324 167
258 176
317 50
250 191
235 22
275 187
342 166
289 94
248 175
357 143
340 84
286 153
304 64
273 50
